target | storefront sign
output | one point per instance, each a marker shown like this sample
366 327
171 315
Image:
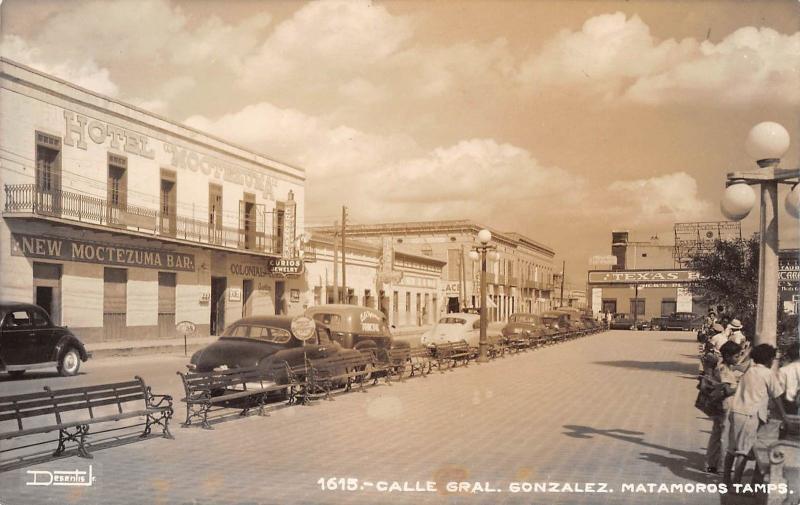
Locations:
77 128
642 276
603 260
273 267
234 295
95 252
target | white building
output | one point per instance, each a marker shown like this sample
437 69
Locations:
121 223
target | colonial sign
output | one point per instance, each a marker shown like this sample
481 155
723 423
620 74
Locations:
34 246
642 276
273 267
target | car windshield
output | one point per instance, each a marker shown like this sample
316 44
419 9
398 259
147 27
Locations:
549 319
258 332
325 318
621 316
452 320
522 318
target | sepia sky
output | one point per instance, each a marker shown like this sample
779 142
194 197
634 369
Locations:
562 120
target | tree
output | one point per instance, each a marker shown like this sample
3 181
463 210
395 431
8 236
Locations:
729 277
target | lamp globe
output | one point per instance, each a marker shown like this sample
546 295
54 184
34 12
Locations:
484 236
793 202
766 141
738 201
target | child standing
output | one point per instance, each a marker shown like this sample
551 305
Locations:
749 409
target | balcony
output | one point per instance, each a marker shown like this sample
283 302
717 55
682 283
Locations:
26 200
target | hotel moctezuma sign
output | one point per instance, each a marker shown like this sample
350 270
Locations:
642 276
33 246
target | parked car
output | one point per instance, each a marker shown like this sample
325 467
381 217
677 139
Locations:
558 321
658 323
29 340
266 342
356 327
622 322
453 328
684 321
523 324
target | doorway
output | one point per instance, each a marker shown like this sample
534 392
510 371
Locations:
452 304
166 304
247 292
218 287
280 298
47 289
115 302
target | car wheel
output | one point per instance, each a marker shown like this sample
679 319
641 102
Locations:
16 374
70 363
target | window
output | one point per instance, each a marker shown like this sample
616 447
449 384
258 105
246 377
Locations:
408 301
39 320
48 162
268 334
17 319
452 320
328 318
637 306
668 306
117 180
215 213
168 204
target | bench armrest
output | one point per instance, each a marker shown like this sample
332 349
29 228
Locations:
163 400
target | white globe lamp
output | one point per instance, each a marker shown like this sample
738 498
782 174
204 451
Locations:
793 202
484 236
767 141
474 256
738 201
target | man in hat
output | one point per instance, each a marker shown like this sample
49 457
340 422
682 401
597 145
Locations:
719 336
735 333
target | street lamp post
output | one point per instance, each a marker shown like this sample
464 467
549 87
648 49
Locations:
766 143
479 252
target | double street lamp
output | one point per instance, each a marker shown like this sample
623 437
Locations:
766 143
479 252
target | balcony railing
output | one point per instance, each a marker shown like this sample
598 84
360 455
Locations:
27 198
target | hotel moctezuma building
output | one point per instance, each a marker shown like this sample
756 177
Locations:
122 223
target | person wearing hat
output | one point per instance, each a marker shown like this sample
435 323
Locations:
735 334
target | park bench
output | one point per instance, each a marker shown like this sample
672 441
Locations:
72 411
420 359
347 368
222 388
394 362
451 353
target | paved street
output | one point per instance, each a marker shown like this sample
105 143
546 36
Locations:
612 408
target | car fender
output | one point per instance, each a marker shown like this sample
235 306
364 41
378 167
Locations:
66 341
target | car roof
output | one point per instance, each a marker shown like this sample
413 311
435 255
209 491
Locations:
284 322
341 308
8 304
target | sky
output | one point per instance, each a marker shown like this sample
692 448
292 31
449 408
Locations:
561 120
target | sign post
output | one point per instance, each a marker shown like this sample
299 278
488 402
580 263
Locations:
186 327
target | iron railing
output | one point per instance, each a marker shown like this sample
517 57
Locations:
27 198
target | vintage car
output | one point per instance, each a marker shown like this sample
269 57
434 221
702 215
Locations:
29 340
267 342
525 325
684 321
356 327
658 323
622 322
558 321
453 328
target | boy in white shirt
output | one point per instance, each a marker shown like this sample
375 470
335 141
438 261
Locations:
749 409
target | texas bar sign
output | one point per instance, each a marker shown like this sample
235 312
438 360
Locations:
642 276
96 252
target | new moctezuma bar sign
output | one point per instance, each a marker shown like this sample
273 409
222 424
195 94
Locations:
94 252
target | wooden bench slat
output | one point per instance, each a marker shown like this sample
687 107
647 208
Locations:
49 399
99 387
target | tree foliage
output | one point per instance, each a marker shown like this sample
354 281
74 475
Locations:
729 277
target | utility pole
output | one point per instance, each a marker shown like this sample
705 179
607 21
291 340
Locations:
563 267
335 265
345 297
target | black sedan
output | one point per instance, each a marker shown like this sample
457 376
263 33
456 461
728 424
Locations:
267 342
29 340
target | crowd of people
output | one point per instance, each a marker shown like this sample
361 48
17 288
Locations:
750 403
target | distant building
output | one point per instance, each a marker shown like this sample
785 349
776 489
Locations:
520 280
647 281
406 287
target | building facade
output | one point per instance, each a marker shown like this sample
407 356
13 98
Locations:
122 223
410 295
520 276
646 281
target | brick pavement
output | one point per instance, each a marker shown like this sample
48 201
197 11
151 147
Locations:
616 407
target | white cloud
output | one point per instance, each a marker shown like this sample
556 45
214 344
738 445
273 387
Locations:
84 72
616 57
663 199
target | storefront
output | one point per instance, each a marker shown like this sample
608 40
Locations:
645 293
122 224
